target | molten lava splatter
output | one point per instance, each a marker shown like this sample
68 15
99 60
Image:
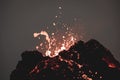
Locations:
61 38
53 46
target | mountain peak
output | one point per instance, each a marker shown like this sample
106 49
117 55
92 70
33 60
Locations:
83 61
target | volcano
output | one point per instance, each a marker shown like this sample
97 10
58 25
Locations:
83 61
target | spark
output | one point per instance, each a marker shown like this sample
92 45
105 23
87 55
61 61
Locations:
53 33
60 7
37 47
41 44
56 16
63 36
54 24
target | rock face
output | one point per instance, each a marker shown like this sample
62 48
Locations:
83 61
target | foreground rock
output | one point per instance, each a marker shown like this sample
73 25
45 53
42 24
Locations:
83 61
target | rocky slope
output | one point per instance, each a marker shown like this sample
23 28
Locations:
83 61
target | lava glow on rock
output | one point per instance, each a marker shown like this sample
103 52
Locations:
83 61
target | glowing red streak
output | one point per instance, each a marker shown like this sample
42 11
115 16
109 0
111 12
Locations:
111 65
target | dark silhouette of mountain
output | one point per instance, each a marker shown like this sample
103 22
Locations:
83 61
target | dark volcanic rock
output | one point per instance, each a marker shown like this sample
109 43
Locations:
83 61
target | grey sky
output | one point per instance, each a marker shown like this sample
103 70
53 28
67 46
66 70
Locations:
21 18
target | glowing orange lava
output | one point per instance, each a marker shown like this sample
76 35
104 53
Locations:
53 46
56 42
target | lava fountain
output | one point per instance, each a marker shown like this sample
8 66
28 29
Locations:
62 38
55 45
82 61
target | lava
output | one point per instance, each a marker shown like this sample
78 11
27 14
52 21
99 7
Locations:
53 47
83 61
64 58
61 38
